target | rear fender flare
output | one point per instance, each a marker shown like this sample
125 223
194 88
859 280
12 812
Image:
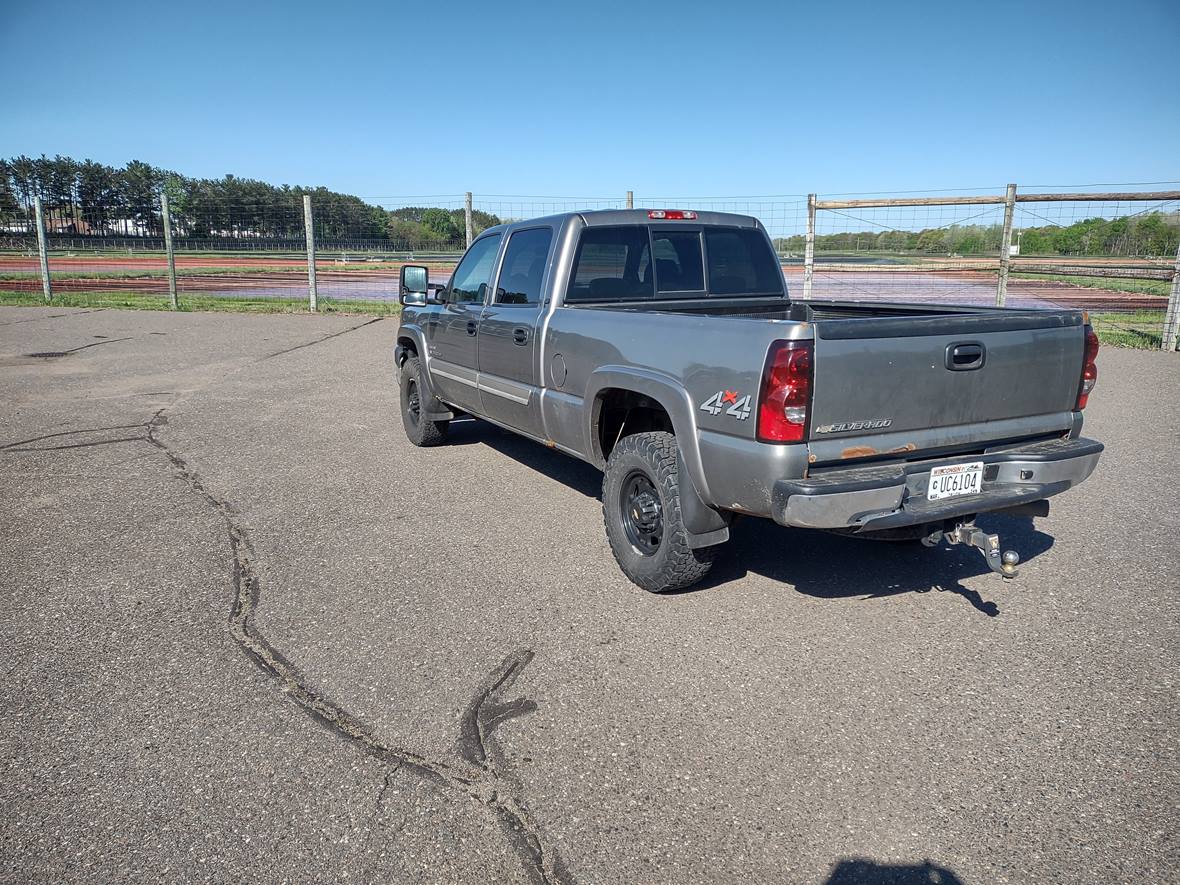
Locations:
666 391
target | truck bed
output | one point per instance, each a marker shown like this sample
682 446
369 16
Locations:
885 386
817 311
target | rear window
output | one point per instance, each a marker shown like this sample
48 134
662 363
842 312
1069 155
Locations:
741 263
679 266
612 264
632 262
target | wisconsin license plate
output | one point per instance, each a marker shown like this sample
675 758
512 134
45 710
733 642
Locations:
955 480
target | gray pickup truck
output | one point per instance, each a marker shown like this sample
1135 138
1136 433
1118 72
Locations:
662 347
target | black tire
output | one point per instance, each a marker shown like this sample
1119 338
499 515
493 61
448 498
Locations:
641 510
421 432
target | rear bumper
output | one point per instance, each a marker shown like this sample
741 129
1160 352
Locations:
894 495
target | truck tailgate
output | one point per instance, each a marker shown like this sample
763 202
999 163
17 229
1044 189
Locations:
897 386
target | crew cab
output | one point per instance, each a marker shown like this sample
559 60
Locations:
663 347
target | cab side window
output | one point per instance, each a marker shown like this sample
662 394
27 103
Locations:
523 268
470 280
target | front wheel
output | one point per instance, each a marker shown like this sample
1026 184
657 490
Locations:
420 430
641 510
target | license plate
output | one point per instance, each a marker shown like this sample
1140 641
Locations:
955 480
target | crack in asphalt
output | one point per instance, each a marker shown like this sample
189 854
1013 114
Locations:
86 445
380 805
477 779
43 437
53 316
542 862
242 368
57 354
483 715
320 340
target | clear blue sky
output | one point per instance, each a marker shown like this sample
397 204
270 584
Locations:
589 99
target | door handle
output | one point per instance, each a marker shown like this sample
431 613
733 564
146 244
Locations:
471 327
520 335
965 357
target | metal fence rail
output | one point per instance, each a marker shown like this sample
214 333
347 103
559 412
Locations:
1115 253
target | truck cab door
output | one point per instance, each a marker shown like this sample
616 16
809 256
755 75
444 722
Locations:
508 351
452 339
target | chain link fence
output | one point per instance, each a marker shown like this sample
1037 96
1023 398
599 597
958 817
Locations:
1114 253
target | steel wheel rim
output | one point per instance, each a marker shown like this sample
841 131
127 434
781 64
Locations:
413 402
643 513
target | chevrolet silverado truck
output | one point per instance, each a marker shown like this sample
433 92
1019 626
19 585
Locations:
662 347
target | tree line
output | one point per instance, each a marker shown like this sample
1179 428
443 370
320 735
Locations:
1153 234
85 198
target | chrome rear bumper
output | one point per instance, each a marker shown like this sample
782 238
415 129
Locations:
894 495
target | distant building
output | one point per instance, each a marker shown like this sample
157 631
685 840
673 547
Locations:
56 224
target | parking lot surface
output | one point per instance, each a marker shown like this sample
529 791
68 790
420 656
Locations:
250 633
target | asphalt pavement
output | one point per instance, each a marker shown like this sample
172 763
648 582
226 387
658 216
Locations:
250 633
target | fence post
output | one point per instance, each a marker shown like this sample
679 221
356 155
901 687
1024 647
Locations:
630 199
1172 317
467 215
42 250
1005 247
809 250
313 296
166 217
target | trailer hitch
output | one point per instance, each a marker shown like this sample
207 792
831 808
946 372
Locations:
1003 564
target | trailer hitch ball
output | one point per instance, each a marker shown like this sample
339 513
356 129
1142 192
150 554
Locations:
968 534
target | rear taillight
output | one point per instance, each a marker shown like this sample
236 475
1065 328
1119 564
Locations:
1089 369
786 392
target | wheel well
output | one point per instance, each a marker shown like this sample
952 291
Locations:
621 413
411 349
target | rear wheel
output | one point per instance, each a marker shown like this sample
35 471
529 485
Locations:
641 511
420 430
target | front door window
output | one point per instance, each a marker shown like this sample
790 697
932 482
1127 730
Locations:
470 280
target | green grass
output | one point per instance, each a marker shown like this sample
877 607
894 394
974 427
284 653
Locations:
162 273
892 257
1113 284
1140 329
224 304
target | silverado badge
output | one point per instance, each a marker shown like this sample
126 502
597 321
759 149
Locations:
873 424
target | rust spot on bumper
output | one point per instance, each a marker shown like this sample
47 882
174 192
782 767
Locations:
858 452
869 451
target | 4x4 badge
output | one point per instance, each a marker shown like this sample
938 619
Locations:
734 404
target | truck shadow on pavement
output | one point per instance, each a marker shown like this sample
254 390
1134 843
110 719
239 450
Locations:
566 469
835 567
813 562
858 871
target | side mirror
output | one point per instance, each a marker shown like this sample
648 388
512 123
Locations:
413 284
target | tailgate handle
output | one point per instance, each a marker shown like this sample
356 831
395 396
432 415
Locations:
964 357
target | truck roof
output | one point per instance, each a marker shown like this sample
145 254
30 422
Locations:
598 217
641 216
